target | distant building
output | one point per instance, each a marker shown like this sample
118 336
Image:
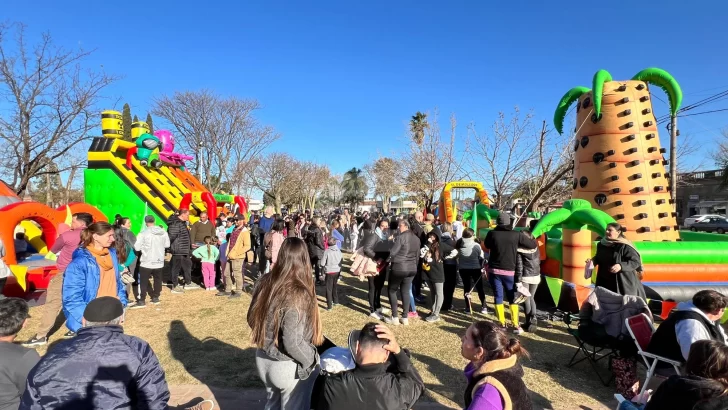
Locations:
255 204
699 193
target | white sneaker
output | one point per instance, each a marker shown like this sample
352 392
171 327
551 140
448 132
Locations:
404 321
517 330
392 321
484 311
376 315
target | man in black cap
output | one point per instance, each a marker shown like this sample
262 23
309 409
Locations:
101 368
383 379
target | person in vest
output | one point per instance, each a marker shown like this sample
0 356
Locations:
692 321
495 378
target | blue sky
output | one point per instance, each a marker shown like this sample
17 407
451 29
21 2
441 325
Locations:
339 79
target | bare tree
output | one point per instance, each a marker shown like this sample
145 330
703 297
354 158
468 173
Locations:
546 179
502 157
314 178
383 175
222 132
332 193
274 175
52 104
431 162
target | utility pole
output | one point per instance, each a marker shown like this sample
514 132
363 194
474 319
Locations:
673 161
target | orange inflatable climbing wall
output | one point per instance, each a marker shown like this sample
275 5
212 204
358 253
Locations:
619 164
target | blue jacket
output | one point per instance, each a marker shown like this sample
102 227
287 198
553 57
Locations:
81 284
338 236
100 368
265 224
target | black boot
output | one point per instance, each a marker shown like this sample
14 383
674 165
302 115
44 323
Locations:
531 323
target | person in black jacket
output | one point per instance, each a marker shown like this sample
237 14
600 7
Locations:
100 368
404 258
180 246
503 243
315 242
383 379
416 223
433 269
450 265
378 250
528 274
619 264
704 384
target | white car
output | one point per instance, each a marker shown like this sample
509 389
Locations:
689 221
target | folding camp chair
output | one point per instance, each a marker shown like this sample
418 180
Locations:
641 329
592 349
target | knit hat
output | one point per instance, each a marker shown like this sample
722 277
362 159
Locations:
103 309
503 219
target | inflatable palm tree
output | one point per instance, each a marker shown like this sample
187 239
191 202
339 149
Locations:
619 165
578 220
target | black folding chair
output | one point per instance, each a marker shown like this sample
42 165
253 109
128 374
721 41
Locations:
591 345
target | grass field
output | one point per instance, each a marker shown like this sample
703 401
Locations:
200 338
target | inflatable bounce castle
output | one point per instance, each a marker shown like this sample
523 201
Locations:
146 176
620 175
39 225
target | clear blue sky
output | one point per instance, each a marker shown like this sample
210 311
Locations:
339 79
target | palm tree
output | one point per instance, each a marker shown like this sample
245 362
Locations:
354 187
418 124
618 161
576 242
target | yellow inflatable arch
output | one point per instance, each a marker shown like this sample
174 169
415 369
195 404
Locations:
447 212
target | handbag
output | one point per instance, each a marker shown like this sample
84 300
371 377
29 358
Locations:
127 278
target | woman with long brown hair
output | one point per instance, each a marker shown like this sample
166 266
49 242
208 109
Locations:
93 272
704 384
286 328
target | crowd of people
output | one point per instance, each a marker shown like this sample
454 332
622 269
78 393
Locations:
288 260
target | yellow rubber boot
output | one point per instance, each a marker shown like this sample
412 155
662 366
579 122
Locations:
501 314
514 315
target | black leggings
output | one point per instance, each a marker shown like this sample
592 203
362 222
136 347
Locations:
397 279
332 294
451 280
473 277
376 283
316 268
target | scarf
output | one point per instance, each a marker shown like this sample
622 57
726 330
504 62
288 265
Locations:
624 241
103 258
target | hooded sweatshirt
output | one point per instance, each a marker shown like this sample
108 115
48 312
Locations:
331 261
152 242
470 254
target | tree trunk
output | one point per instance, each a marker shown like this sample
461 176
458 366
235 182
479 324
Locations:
278 204
69 184
49 191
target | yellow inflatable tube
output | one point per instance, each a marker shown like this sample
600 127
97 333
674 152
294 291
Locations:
34 236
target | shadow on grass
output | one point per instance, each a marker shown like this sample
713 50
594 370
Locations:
214 363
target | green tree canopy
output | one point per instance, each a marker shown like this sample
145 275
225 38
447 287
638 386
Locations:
126 121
